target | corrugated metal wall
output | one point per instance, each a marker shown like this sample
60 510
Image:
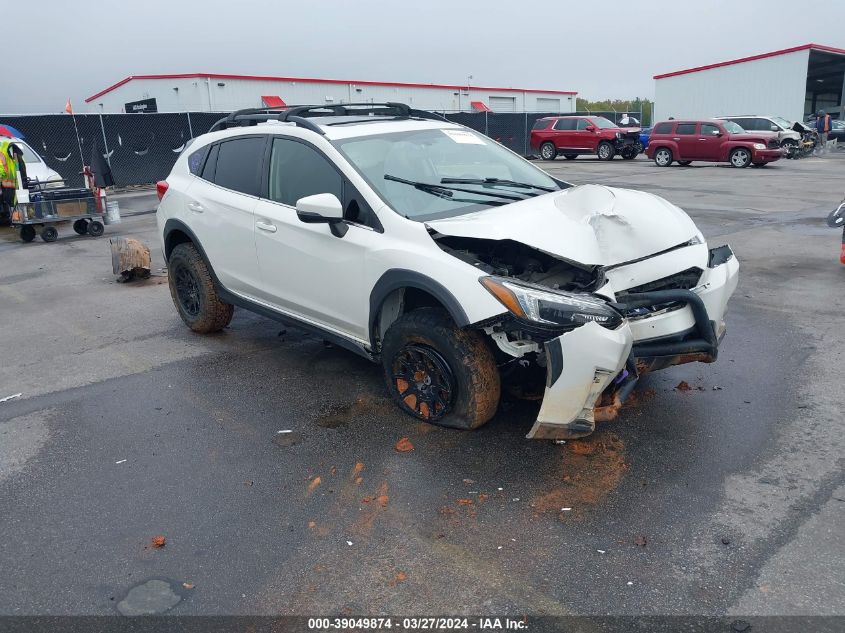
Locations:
773 85
199 94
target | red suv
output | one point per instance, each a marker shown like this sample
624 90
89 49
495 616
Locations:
573 135
711 140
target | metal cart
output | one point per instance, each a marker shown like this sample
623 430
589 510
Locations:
48 207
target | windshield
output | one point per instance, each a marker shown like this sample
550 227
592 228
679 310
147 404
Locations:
786 125
733 128
415 171
28 155
601 122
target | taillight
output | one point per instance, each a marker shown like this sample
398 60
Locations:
161 188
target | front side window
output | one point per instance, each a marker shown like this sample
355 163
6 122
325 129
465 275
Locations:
437 173
733 128
298 170
29 156
685 129
239 164
709 130
582 124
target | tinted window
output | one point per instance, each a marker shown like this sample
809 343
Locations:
297 170
708 130
196 159
763 125
662 128
685 128
565 124
745 124
582 124
541 124
210 164
239 164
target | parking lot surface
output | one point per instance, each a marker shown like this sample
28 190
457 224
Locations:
725 498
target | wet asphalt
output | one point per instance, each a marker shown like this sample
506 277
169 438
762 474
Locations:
726 498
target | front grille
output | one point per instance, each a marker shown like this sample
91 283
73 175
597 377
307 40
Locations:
774 144
684 280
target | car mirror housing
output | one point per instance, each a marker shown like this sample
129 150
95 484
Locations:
591 128
322 208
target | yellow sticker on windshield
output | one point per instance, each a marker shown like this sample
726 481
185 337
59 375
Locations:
464 136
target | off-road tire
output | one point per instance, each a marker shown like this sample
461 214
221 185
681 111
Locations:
605 151
738 162
475 377
570 156
212 314
685 163
548 151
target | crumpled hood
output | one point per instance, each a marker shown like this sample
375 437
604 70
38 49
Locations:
588 224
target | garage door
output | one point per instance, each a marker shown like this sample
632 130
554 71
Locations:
503 104
548 105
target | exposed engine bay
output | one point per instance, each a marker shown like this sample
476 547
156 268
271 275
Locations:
507 258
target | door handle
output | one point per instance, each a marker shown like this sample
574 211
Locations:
196 207
676 138
270 228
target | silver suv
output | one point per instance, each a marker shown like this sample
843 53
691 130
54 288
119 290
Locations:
787 137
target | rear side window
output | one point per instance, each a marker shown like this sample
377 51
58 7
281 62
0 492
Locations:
210 164
685 128
239 164
541 124
565 124
196 160
662 128
297 170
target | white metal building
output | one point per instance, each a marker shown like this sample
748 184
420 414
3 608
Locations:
791 83
212 92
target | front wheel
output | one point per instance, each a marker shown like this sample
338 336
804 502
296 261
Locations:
740 157
548 151
438 372
193 292
663 157
606 151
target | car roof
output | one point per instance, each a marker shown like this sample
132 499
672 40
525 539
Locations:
339 127
746 116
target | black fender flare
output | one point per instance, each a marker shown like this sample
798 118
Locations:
177 225
397 278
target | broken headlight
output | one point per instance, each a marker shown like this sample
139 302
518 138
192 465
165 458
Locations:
555 307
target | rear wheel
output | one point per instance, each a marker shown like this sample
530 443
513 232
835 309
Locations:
605 151
438 372
548 151
96 228
663 157
193 292
49 234
684 163
571 156
27 233
740 157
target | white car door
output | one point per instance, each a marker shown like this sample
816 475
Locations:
306 270
220 204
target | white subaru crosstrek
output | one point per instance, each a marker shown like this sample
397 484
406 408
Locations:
460 266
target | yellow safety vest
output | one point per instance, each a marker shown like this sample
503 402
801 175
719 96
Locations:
8 167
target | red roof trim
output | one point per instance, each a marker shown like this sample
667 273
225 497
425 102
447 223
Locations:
318 81
273 101
480 106
785 51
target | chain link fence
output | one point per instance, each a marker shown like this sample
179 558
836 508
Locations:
141 148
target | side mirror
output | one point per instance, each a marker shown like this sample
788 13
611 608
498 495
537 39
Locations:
322 208
716 133
775 128
591 128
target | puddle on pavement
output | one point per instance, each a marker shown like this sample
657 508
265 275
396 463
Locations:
149 598
340 416
590 469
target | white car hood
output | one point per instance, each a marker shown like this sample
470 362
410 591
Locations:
41 172
588 224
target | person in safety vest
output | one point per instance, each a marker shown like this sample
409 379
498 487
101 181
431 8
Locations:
823 128
8 180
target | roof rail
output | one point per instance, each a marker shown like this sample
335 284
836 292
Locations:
299 114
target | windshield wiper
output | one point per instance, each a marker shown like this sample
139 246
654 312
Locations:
446 192
494 181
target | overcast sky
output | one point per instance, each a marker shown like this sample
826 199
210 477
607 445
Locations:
606 49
